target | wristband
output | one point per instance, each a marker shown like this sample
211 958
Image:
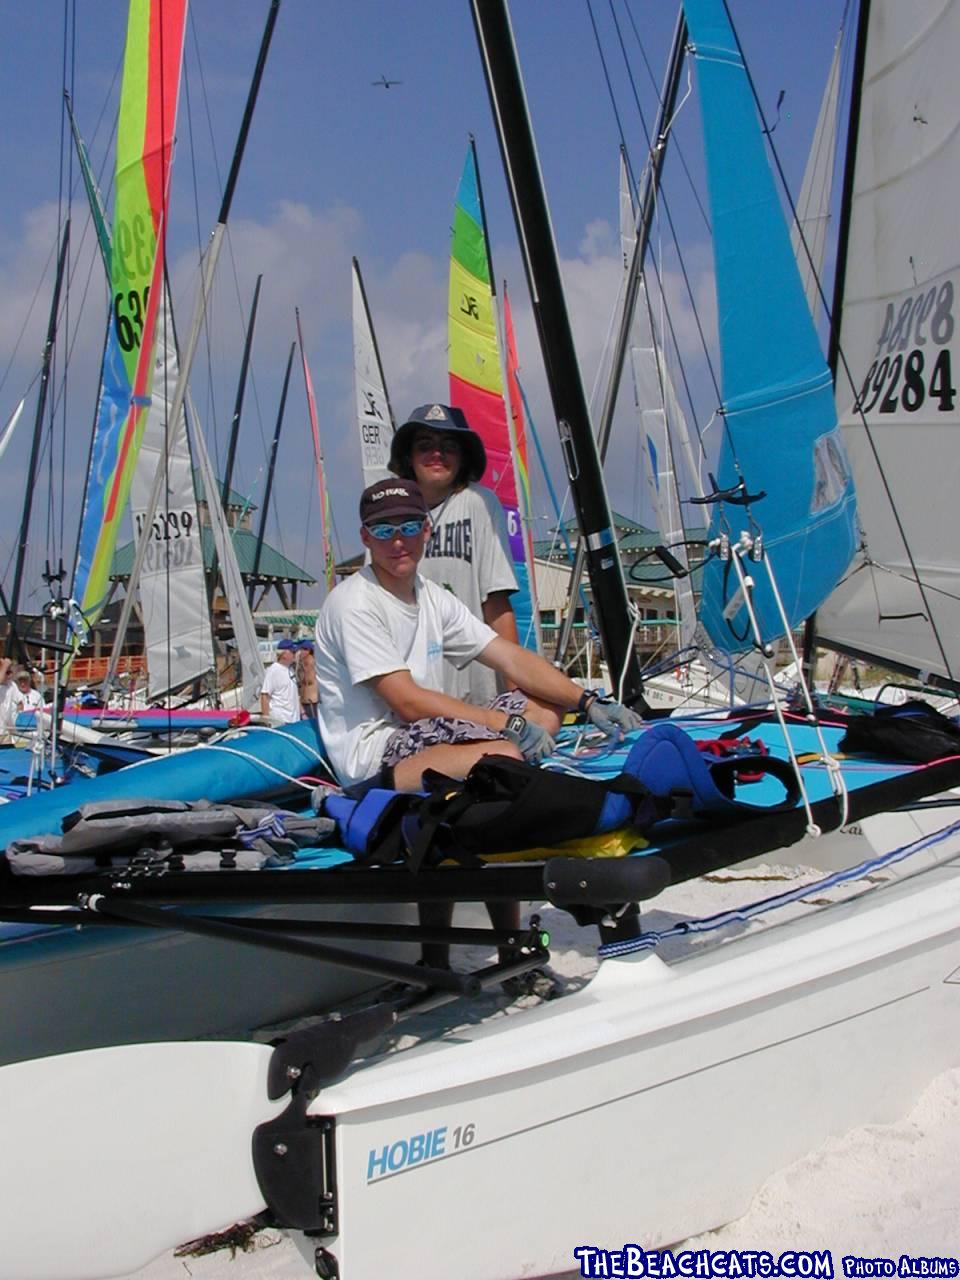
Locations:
515 724
588 696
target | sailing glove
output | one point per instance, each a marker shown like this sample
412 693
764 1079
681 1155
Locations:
611 718
533 740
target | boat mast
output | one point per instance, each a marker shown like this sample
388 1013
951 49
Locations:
14 602
241 388
518 150
668 98
846 196
270 472
235 428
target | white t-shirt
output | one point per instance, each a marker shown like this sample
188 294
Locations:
468 553
363 631
280 685
24 700
7 711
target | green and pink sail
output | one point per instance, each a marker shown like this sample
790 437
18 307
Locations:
145 133
477 385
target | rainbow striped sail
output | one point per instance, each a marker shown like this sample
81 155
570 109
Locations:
148 109
476 381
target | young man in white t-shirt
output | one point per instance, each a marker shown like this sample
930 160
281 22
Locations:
382 637
279 693
468 551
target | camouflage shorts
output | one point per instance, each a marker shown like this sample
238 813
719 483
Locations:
444 730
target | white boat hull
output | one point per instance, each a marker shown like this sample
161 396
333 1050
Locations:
652 1105
646 1107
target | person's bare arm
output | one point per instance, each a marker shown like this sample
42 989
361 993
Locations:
498 613
410 701
534 675
264 704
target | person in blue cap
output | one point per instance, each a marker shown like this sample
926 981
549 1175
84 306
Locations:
468 550
279 697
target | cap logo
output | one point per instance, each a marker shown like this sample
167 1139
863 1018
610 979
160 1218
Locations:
389 493
436 413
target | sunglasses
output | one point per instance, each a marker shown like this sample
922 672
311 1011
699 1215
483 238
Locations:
443 444
384 532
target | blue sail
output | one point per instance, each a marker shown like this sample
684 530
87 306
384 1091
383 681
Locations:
780 426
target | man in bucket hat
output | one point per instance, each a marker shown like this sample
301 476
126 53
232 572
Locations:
382 637
468 551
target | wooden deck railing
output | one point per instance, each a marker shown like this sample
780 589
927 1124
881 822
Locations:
93 671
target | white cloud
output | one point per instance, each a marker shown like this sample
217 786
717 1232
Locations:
304 255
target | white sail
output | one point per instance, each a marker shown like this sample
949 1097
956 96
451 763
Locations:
899 339
374 416
816 192
11 427
178 641
662 422
244 631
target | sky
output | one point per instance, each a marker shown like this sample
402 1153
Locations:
338 167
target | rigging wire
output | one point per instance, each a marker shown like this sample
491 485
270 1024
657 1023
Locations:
677 149
662 203
241 305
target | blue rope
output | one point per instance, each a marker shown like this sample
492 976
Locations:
648 941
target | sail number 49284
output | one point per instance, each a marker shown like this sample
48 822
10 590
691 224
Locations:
905 379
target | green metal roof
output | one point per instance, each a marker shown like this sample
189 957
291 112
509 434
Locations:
632 537
287 617
273 565
238 500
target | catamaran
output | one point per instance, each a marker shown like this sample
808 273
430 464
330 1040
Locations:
711 1049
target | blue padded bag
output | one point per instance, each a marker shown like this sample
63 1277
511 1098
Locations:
371 825
668 762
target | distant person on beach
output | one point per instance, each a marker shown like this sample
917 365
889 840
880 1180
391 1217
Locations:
8 689
279 696
24 697
382 637
307 679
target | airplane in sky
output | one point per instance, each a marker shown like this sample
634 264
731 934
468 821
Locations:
384 83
